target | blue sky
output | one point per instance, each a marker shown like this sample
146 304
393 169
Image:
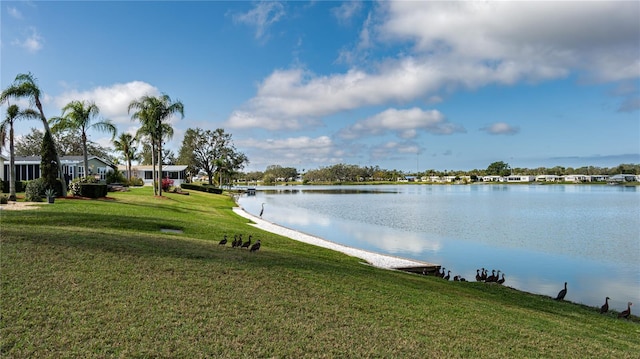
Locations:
403 85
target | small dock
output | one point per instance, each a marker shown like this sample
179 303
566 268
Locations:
430 269
251 191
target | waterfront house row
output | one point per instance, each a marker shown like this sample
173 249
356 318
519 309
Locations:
28 168
575 178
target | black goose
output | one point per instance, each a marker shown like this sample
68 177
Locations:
255 246
448 275
605 306
478 276
562 293
223 241
234 243
492 277
626 313
246 244
501 280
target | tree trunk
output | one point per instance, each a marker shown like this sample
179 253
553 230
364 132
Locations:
84 154
153 168
160 167
12 166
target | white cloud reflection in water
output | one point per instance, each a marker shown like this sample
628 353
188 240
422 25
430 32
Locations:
539 236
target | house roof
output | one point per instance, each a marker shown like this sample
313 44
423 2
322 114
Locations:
63 159
168 168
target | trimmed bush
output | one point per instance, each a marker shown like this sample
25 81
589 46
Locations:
93 190
74 186
4 199
201 188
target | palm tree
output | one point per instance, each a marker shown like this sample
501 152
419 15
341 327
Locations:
13 113
126 144
153 112
77 115
24 85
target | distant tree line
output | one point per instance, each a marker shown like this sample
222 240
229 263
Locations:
353 173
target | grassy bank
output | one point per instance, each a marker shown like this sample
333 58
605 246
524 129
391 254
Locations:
87 278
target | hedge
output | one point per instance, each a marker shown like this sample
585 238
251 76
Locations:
93 190
201 188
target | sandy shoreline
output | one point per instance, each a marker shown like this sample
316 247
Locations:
375 259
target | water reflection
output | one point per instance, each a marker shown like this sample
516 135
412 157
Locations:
539 236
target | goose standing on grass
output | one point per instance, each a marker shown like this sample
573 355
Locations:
448 275
223 241
605 306
501 280
255 246
478 276
562 293
247 243
234 243
626 313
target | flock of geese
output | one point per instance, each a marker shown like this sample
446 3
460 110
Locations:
239 243
604 308
482 275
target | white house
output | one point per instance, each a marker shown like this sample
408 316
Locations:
28 167
621 178
520 178
548 178
492 179
576 178
178 173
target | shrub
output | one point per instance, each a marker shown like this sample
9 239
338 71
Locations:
20 186
35 190
4 199
76 183
166 184
136 181
115 176
93 190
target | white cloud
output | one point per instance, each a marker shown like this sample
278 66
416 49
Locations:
290 151
601 38
14 12
501 128
262 16
113 101
345 12
442 47
405 123
393 149
33 42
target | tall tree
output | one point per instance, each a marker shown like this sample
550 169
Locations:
24 86
499 168
153 113
186 154
126 145
48 161
13 113
78 115
214 153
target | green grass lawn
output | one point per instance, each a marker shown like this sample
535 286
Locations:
98 278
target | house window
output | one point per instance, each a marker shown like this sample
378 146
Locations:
81 171
102 171
148 174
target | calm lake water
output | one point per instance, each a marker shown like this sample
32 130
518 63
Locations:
539 235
